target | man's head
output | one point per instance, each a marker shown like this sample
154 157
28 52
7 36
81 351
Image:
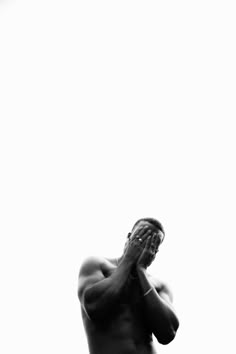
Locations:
152 224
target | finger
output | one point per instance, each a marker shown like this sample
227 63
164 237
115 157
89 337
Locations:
148 243
156 241
138 241
141 232
153 244
145 235
138 231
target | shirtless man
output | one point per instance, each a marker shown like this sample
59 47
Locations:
121 304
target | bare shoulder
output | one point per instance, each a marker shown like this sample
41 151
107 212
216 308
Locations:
163 288
89 265
89 274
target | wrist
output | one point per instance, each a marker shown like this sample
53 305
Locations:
127 262
141 267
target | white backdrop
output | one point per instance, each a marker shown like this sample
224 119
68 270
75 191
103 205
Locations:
111 111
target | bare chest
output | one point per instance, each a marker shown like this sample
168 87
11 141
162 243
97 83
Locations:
127 322
132 292
130 308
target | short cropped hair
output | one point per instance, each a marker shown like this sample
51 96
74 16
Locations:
152 221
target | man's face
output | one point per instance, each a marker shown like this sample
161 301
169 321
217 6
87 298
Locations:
151 227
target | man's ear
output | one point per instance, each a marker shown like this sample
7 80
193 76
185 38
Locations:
129 234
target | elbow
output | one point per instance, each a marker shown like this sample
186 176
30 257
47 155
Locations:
168 336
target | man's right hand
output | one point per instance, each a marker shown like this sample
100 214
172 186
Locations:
136 243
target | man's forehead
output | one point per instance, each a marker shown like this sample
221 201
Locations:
150 226
144 223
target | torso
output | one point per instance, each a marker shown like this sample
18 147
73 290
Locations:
126 332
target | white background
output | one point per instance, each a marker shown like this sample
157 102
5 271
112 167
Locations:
111 111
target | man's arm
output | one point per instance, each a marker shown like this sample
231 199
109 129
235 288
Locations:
162 318
99 295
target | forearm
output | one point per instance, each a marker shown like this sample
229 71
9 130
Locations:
161 315
101 298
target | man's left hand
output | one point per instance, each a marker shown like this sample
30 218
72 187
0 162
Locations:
149 252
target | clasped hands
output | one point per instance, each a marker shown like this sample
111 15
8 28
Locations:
143 246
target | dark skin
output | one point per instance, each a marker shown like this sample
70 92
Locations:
117 317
